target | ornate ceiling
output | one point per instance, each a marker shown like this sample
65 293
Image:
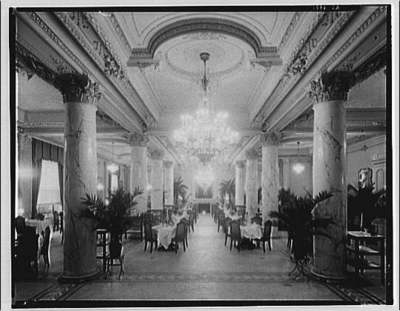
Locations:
149 69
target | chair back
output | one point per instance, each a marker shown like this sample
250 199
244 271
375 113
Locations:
257 220
148 231
235 230
20 224
46 240
180 233
148 217
226 224
267 229
29 243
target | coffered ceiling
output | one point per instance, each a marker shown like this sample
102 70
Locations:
261 63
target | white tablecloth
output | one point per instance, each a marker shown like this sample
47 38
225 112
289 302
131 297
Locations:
165 234
40 225
252 231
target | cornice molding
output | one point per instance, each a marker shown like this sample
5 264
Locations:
327 25
364 26
296 101
101 52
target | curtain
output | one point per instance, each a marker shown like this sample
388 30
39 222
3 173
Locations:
61 183
36 175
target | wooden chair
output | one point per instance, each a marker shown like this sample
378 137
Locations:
225 228
136 227
27 252
221 219
267 234
116 253
186 223
44 251
191 220
149 236
180 236
257 220
235 234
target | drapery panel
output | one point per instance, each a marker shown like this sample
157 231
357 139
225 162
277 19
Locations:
44 151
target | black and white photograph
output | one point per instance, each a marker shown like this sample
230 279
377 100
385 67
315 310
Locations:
196 155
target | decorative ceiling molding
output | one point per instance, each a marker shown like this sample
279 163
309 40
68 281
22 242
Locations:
44 24
90 36
364 26
289 30
326 26
295 102
143 57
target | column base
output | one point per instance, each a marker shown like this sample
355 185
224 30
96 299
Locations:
80 278
328 278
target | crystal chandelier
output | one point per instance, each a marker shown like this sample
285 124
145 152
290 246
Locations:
205 134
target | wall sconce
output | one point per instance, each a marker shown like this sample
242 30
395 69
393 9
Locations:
100 187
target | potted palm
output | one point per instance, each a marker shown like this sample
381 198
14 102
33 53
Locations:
115 216
180 189
296 214
227 188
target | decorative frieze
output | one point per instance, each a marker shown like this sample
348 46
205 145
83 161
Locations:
332 85
77 88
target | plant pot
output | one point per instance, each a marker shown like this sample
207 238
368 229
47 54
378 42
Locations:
115 245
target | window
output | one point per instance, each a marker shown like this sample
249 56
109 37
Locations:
49 189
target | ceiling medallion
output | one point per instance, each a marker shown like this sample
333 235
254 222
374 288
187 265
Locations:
205 135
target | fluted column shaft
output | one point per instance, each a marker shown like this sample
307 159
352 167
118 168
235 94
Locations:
240 175
138 176
251 182
329 170
157 179
270 174
286 174
169 182
80 174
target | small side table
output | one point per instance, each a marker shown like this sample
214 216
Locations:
102 243
361 250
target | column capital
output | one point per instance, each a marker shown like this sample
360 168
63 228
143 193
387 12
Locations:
270 138
156 154
77 88
331 86
240 164
138 139
252 154
168 164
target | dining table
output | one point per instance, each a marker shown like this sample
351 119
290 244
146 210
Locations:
165 234
251 231
39 225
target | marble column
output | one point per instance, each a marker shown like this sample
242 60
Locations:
157 179
286 173
240 175
329 170
24 175
269 173
251 182
138 175
80 174
169 182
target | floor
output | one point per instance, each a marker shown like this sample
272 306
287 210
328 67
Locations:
208 270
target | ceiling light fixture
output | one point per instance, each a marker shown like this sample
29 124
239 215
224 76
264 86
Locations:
112 167
298 167
205 134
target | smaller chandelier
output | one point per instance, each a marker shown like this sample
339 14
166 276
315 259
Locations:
205 134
